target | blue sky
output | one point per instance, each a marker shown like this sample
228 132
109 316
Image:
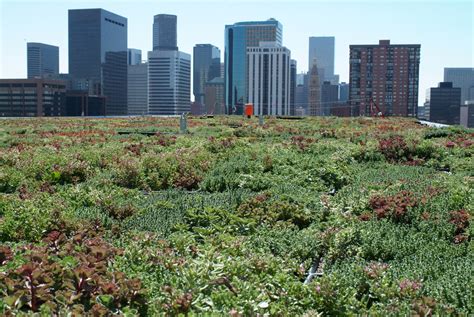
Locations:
445 29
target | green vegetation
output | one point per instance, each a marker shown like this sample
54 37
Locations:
230 218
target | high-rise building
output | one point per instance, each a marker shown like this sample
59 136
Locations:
36 97
314 91
444 103
321 48
343 92
137 93
214 96
238 37
467 114
302 92
42 60
98 55
206 67
134 56
462 78
268 69
386 74
165 35
293 73
329 97
169 85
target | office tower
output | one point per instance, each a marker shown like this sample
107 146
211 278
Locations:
467 114
98 55
444 103
343 91
137 93
301 96
386 73
321 48
314 91
165 32
329 97
169 85
462 78
214 96
35 97
268 69
222 70
238 37
206 67
293 73
134 56
42 60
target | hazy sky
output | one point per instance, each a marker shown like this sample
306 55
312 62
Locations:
445 29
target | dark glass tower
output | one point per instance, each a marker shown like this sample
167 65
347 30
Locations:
42 60
98 55
206 67
165 32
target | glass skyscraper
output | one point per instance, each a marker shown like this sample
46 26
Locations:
98 55
238 37
42 60
322 48
165 32
462 78
206 67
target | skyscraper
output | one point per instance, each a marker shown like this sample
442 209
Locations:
98 55
343 92
462 78
329 97
169 85
269 79
206 67
42 60
386 73
293 73
321 48
134 56
238 37
137 94
165 32
444 103
314 91
214 97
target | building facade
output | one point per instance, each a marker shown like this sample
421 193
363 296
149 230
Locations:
462 78
238 37
36 97
322 49
314 91
137 87
343 92
169 85
206 67
78 103
444 103
269 74
329 97
134 56
214 96
467 115
42 60
165 36
293 74
98 55
387 74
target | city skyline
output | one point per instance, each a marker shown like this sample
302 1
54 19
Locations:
444 32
